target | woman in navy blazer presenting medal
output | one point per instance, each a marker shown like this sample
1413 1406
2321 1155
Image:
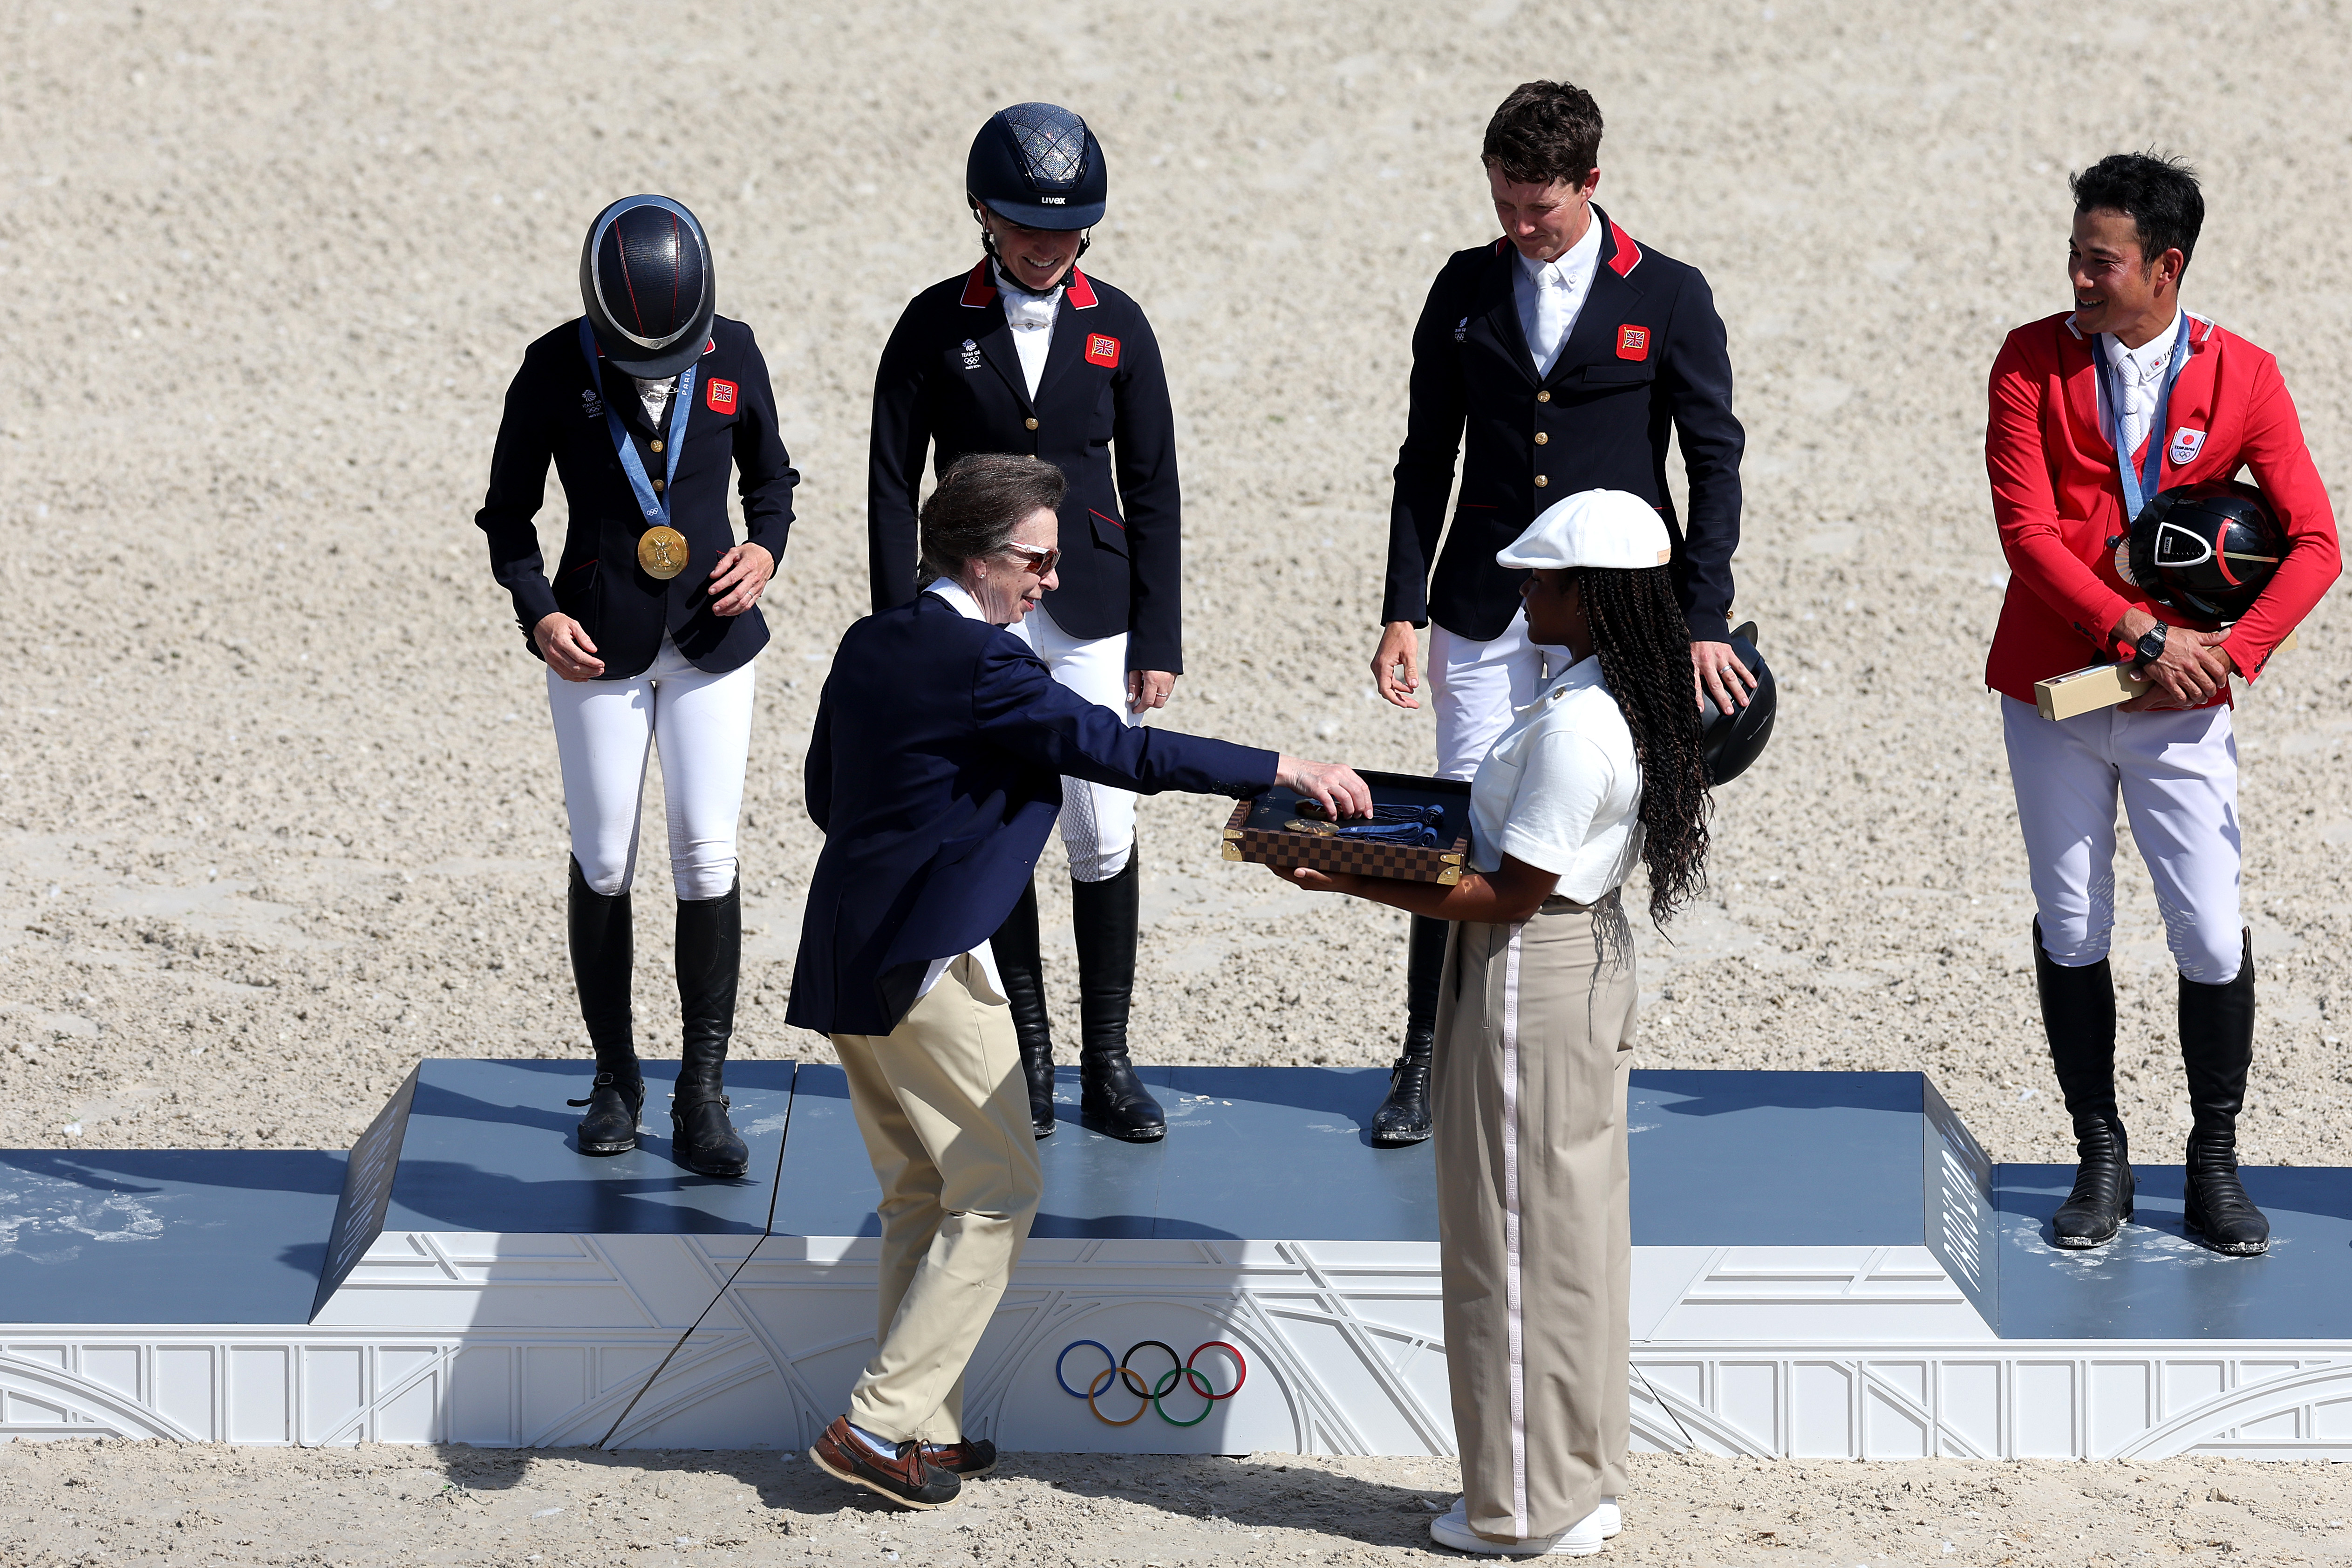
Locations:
648 628
1026 354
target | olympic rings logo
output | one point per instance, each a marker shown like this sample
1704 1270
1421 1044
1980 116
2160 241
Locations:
1151 1395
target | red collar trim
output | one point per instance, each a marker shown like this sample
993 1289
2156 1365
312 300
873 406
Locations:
1629 255
978 292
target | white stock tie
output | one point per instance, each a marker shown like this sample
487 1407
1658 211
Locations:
1552 302
2140 384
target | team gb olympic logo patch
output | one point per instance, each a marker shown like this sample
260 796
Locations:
1102 350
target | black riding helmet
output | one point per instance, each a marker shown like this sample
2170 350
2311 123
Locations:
2207 551
1037 165
645 279
1732 741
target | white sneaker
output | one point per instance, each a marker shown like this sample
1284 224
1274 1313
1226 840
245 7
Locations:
1612 1517
1581 1539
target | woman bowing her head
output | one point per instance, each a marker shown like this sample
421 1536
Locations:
1535 1027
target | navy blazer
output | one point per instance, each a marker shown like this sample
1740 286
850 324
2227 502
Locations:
935 771
951 380
1646 360
554 412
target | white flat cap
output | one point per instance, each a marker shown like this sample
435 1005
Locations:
1612 529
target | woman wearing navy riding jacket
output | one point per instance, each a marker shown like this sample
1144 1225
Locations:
648 628
1026 354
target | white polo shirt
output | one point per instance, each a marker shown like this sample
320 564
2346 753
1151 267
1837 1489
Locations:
1561 790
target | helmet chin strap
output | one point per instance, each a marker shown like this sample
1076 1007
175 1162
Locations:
1004 270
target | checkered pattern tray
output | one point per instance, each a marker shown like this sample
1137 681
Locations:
1256 833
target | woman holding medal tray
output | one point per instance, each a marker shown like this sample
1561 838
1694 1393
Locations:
1535 1027
648 629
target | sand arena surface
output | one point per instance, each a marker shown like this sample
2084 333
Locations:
278 809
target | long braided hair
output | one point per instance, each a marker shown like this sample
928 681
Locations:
1643 646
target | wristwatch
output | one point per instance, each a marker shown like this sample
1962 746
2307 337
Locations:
2150 647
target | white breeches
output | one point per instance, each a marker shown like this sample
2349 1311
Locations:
1475 686
2178 773
603 731
1098 822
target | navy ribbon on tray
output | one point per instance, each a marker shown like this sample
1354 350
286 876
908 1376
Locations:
1414 827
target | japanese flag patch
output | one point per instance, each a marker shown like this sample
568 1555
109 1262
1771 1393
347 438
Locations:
1632 342
720 396
1103 350
2185 445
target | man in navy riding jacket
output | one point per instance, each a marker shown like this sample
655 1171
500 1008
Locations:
1564 356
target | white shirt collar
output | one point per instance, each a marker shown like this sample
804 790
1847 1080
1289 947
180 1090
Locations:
2147 360
1025 312
1573 266
654 394
954 593
1585 671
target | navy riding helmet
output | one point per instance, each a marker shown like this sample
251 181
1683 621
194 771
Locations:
1037 164
646 280
1732 741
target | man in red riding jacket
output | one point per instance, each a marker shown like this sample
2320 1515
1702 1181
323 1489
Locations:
2093 411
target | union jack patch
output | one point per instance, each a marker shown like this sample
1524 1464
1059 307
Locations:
1103 350
720 396
1633 343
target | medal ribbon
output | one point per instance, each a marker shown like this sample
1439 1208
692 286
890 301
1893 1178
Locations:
654 506
2138 485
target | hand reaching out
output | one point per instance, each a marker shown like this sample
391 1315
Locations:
1334 787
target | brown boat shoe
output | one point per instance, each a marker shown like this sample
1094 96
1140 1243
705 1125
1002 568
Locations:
962 1458
902 1476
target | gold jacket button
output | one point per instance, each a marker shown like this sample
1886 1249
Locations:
1543 397
657 446
1542 439
1541 481
1030 424
659 486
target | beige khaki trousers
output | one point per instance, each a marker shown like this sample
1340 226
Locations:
1534 1038
945 1113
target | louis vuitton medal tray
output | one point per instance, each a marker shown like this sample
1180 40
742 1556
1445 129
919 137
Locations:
1272 830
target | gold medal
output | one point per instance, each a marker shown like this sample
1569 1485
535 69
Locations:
662 551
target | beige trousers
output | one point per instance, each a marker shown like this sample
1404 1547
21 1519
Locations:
1534 1038
945 1113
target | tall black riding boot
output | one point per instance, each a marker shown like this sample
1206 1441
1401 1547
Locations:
1022 966
599 928
710 959
2078 1014
1106 915
2217 1046
1403 1116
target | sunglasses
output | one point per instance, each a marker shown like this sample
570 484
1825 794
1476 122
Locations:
1039 560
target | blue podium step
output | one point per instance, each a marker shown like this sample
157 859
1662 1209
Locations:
1826 1264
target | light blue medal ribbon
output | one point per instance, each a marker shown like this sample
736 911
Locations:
655 505
2140 484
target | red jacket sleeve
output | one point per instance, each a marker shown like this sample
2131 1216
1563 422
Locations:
2285 474
2024 498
